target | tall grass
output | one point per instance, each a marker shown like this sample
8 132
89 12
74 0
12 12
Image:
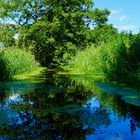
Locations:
15 61
107 61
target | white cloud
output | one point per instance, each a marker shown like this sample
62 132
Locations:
123 17
114 12
125 27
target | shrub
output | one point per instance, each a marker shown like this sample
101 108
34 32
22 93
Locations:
15 61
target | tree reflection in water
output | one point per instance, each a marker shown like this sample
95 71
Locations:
64 109
52 113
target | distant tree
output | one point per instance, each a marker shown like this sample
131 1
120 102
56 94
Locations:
103 34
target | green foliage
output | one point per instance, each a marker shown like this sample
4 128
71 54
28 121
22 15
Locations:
103 34
15 61
54 29
21 12
114 56
101 16
134 52
7 32
132 43
107 60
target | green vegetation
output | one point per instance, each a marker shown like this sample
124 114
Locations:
116 59
15 61
68 33
54 57
53 30
103 61
7 32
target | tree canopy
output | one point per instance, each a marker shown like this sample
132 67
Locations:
53 29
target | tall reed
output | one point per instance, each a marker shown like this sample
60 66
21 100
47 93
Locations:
108 61
15 61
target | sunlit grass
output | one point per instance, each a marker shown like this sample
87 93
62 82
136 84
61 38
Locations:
36 74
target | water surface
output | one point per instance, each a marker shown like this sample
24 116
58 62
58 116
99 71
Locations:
64 108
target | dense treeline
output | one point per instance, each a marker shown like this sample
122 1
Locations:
73 33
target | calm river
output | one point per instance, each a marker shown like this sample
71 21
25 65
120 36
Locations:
68 107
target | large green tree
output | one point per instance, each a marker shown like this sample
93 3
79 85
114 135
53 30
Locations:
54 29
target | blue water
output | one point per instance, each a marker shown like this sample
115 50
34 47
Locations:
61 108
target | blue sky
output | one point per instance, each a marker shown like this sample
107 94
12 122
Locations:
125 14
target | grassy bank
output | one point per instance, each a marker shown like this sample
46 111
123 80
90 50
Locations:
15 61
